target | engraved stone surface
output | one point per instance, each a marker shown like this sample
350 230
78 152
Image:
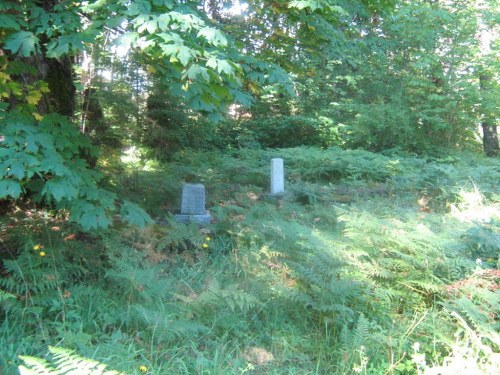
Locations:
193 199
277 176
193 205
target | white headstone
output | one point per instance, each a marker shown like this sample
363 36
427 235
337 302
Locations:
277 176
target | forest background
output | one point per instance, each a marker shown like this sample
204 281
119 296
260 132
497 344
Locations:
386 113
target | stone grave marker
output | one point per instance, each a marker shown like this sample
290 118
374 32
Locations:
277 176
193 205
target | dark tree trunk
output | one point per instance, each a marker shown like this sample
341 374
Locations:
93 115
490 139
490 135
58 73
59 76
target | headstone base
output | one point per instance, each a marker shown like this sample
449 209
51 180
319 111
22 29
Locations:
200 219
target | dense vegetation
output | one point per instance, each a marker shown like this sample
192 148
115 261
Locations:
369 263
382 255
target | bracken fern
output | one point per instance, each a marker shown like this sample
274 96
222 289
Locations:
63 362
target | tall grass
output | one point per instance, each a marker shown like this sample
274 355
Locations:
368 264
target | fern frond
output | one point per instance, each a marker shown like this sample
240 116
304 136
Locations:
231 296
165 324
361 331
5 295
63 362
37 366
423 286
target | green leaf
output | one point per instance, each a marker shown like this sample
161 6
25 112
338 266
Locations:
64 44
32 143
222 66
135 215
213 36
214 117
169 49
139 7
179 53
6 153
89 216
302 4
212 62
338 9
9 22
10 188
242 98
202 105
257 77
171 37
195 70
141 19
151 26
104 198
54 163
184 55
163 21
17 170
60 188
67 43
23 42
96 218
186 21
55 48
127 39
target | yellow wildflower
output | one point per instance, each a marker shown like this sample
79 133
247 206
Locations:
204 245
207 238
37 247
41 253
143 368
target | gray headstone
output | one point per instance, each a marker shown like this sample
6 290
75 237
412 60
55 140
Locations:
193 205
193 199
277 176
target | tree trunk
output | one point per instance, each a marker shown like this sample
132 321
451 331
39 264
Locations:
490 135
58 73
490 139
62 90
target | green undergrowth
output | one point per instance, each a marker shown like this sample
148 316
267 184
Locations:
368 264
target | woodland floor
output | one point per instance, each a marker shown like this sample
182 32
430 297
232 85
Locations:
368 264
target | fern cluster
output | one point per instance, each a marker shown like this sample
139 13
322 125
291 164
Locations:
41 280
357 275
388 247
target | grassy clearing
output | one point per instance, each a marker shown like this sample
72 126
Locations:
369 264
